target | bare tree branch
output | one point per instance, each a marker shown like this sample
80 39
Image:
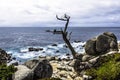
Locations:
62 19
65 35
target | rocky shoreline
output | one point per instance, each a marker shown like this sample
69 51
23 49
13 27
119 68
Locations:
99 50
64 69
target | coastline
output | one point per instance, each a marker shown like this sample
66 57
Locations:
67 68
59 50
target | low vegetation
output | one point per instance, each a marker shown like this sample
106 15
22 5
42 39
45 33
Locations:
6 72
109 68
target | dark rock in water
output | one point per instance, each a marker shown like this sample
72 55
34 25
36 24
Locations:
67 54
41 68
54 44
35 49
83 46
31 49
57 51
48 30
77 41
14 58
103 43
4 57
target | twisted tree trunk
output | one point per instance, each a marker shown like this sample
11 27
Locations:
65 34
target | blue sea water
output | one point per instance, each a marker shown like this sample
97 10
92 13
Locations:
15 38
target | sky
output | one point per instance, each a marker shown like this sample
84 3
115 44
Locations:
41 13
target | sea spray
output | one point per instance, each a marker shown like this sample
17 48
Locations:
60 50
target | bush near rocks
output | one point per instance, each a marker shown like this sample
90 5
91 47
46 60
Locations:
109 68
6 72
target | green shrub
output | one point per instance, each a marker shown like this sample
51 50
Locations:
108 70
6 71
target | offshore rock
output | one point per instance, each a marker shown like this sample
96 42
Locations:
35 49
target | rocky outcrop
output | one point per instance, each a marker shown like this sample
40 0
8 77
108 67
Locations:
97 49
41 68
4 57
80 66
103 43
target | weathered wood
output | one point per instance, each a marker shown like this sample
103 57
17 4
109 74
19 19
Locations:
65 34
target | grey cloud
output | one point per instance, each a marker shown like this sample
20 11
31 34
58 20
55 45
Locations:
43 7
101 15
28 12
2 20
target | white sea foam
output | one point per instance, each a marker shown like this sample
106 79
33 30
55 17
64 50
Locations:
59 50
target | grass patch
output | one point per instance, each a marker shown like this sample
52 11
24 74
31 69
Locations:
109 68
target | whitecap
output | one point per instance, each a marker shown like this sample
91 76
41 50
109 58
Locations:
48 50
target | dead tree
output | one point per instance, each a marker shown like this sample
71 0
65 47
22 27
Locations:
65 35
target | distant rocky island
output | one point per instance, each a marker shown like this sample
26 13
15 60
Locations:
54 31
101 61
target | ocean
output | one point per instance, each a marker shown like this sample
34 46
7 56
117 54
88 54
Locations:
15 40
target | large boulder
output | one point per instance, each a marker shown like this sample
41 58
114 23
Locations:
90 47
23 73
41 68
101 44
106 42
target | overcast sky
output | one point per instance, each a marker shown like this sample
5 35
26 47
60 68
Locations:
27 13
